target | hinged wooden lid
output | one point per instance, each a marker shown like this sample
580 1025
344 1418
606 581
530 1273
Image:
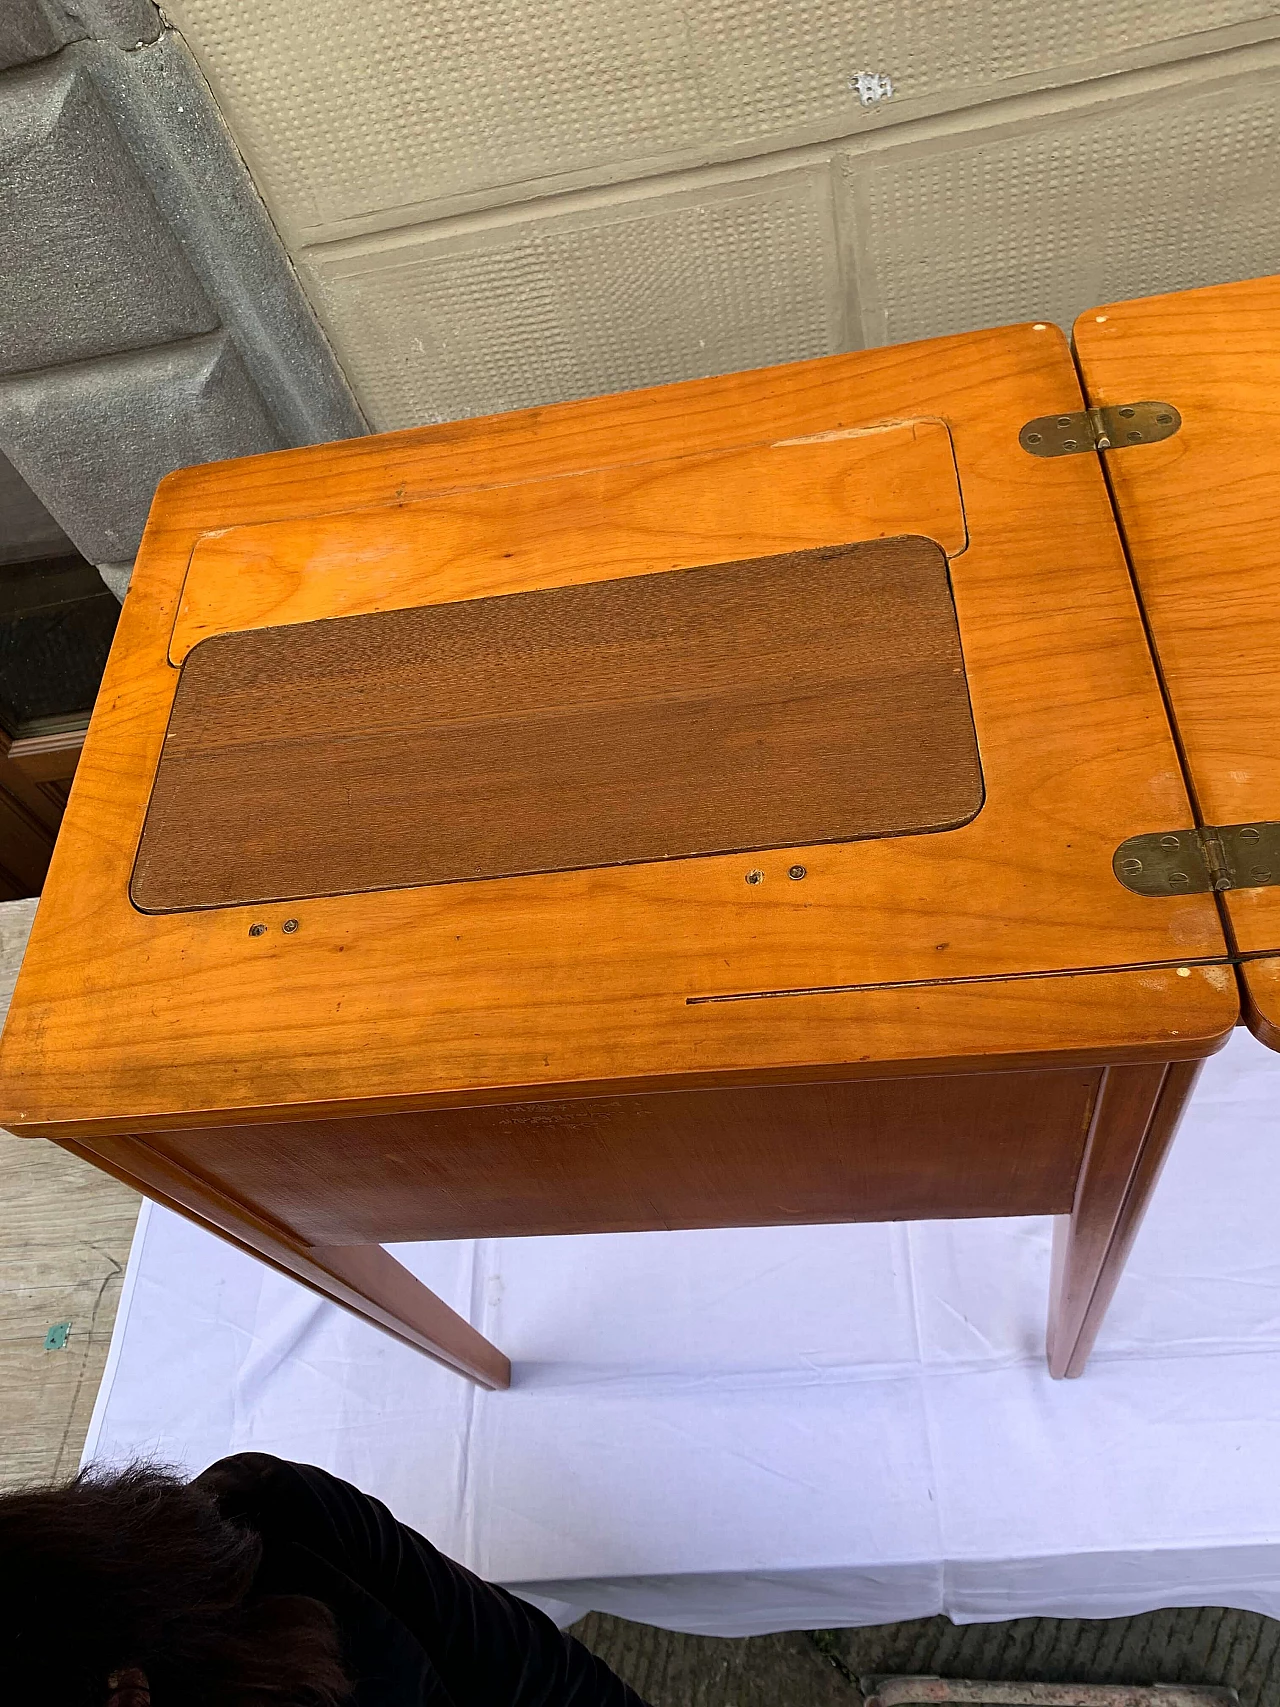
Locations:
982 938
1201 517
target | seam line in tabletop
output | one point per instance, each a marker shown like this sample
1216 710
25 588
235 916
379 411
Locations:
1153 652
983 978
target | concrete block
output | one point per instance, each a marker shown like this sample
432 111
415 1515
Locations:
161 106
124 23
117 577
90 267
26 33
27 530
94 439
33 29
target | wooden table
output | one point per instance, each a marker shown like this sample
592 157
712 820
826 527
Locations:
697 807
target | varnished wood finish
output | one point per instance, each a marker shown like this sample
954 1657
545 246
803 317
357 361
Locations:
917 950
30 811
987 1144
49 758
811 697
1260 998
362 1278
473 529
662 1043
1135 1119
1201 516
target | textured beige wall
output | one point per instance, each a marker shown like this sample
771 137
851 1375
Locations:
504 205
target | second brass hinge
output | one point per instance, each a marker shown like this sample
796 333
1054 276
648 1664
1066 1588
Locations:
1192 862
1107 428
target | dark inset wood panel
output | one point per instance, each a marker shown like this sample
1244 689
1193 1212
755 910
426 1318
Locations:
811 697
907 1149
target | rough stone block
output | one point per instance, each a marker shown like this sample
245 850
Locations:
90 266
94 439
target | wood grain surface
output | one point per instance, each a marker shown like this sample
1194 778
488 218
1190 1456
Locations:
898 1149
49 758
1201 516
30 811
811 697
487 531
1135 1119
1260 993
1007 941
362 1278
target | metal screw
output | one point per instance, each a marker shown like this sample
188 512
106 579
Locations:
1068 444
1164 420
796 873
1064 420
1170 842
257 930
755 876
289 926
1131 867
1249 834
1134 437
1127 414
1033 438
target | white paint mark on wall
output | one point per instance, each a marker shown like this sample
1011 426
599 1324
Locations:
871 87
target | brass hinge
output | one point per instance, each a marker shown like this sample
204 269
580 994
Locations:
1192 862
1108 428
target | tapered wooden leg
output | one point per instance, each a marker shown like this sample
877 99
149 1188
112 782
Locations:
1134 1120
362 1278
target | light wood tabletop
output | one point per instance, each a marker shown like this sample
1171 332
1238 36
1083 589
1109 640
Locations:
691 807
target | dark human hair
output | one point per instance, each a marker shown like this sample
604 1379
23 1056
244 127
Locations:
137 1571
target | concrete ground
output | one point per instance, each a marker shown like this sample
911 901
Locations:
64 1240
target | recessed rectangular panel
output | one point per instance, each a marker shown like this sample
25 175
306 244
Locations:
488 532
904 1149
815 696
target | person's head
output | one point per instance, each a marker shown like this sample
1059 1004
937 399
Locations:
124 1582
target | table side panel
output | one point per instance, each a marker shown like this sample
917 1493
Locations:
909 1149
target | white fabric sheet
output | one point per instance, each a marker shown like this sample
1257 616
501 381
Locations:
742 1431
